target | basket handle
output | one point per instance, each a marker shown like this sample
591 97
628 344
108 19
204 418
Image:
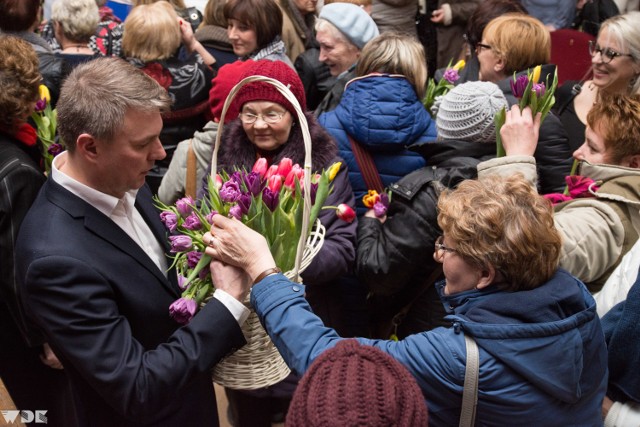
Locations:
306 136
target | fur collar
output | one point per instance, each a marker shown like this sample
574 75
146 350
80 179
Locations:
236 149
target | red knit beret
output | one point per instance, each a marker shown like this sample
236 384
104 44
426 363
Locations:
261 91
353 384
228 76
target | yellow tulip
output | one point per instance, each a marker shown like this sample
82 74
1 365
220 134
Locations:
333 170
459 65
44 93
536 74
370 198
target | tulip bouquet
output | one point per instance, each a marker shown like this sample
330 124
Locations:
378 202
267 199
446 83
46 120
539 96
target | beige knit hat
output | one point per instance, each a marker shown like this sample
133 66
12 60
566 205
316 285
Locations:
466 112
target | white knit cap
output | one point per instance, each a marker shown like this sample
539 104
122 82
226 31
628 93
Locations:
466 112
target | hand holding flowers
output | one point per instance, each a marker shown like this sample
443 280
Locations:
444 85
539 97
378 203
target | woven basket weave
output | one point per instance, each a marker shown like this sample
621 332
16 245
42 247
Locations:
258 364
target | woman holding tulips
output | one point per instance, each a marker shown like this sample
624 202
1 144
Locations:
268 130
514 44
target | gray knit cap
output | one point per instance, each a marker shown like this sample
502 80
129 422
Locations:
466 112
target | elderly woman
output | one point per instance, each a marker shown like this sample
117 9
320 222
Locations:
615 64
74 23
153 34
342 30
381 112
514 44
268 127
254 28
599 220
28 380
541 351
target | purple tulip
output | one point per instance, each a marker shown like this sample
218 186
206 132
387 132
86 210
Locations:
253 182
379 209
181 281
192 222
202 275
182 310
237 177
244 201
270 198
41 104
184 206
236 212
180 243
518 87
539 89
451 75
314 191
193 258
55 149
384 199
210 216
170 220
230 191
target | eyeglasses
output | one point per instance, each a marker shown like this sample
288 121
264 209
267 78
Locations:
606 54
440 248
271 117
480 46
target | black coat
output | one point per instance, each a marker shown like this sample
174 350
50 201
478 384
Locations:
395 258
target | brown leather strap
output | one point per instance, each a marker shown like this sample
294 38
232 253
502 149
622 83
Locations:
367 167
190 184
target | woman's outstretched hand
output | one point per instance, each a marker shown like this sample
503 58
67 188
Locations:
520 132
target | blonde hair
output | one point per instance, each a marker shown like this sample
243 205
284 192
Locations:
151 32
521 40
178 4
394 53
78 19
626 30
503 222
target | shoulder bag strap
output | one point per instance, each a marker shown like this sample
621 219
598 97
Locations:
470 392
367 167
190 185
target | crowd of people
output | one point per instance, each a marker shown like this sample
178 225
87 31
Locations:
492 289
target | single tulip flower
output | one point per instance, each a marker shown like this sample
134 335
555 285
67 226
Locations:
270 198
284 167
273 170
218 182
535 76
539 89
260 166
519 86
370 198
41 104
209 217
345 213
236 212
451 75
192 222
253 182
193 258
296 172
55 149
170 220
44 93
459 65
184 206
183 309
275 183
180 243
333 170
230 191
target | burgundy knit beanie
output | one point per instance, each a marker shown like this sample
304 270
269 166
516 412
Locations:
228 76
357 385
261 91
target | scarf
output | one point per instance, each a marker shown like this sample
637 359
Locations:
577 187
275 47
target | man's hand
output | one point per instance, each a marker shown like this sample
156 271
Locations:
520 132
49 358
231 279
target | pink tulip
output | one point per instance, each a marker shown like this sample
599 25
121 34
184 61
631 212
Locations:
284 167
345 213
261 167
275 183
218 182
273 170
296 172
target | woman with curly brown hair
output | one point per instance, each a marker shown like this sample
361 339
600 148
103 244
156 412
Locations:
541 356
30 382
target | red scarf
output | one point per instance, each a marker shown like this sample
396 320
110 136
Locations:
577 187
26 134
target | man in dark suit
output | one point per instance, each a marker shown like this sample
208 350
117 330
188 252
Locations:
91 256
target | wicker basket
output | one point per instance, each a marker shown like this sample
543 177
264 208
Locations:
258 364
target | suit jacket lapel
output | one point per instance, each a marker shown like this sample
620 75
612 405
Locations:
104 228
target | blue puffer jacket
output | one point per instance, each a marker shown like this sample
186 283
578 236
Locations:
384 114
543 360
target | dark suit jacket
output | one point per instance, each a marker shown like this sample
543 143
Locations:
103 306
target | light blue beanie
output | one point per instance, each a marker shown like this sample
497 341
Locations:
352 21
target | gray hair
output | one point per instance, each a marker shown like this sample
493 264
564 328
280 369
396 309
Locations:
626 29
323 24
97 95
78 18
